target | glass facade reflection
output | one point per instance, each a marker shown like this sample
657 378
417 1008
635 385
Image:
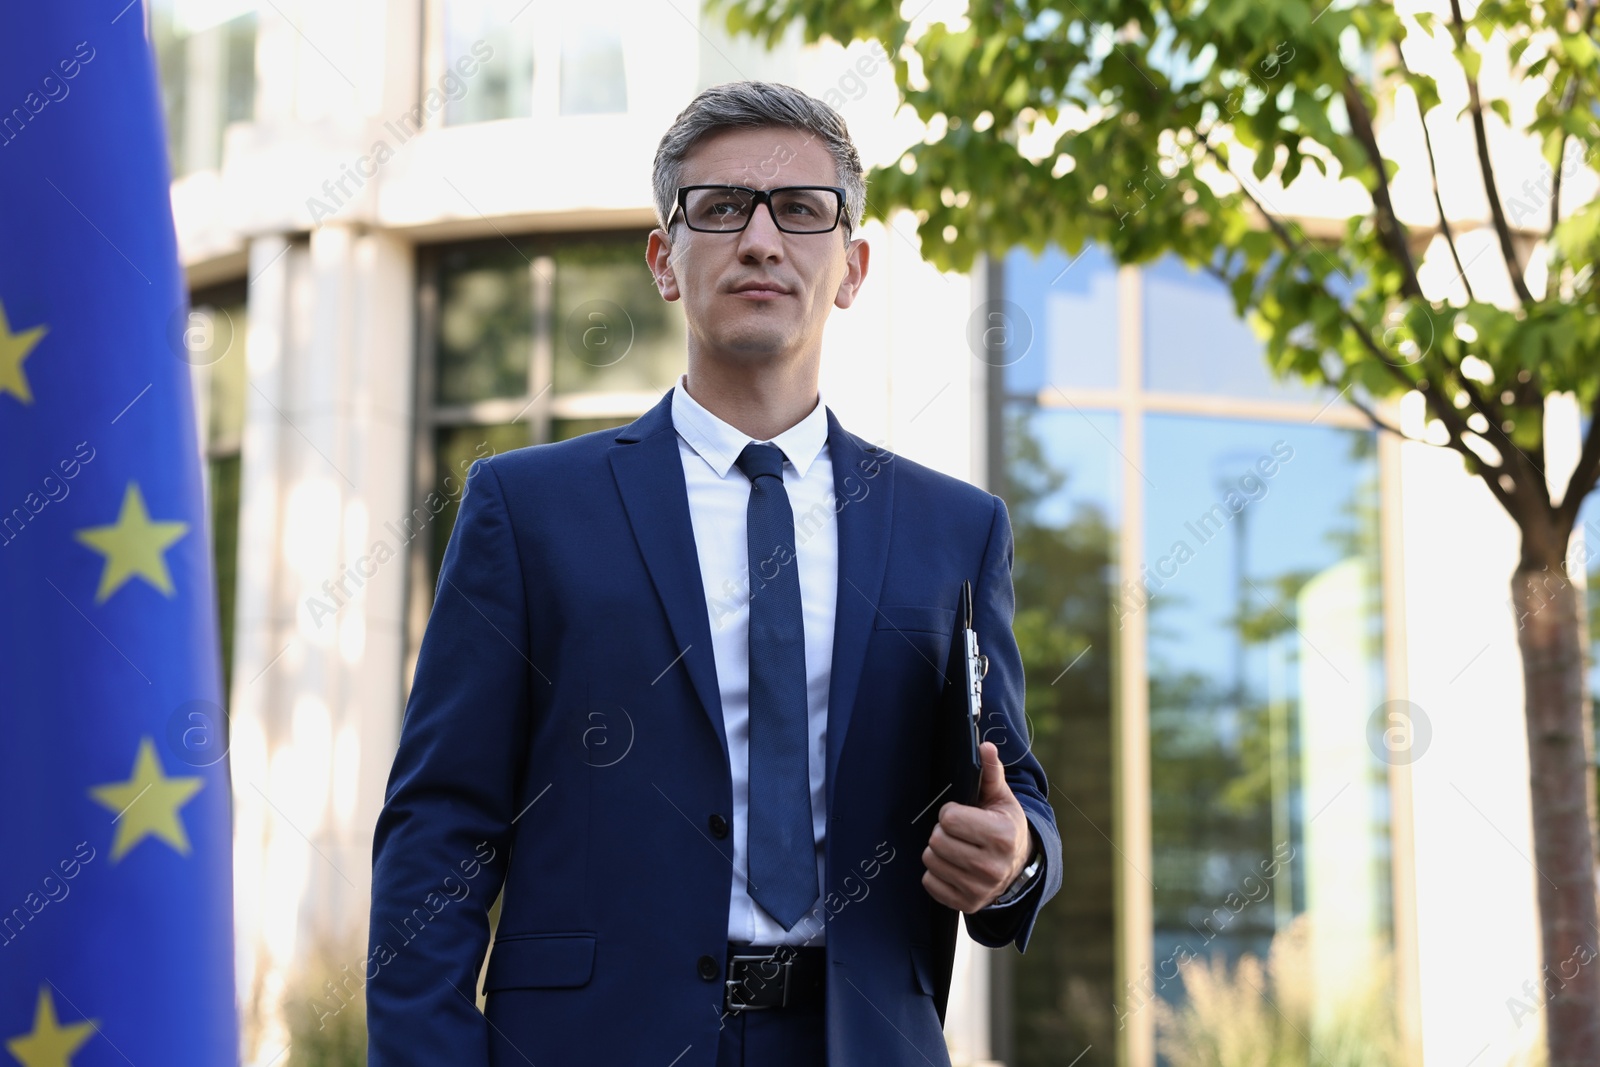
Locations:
1247 602
585 72
485 324
504 30
593 80
1071 308
206 53
1265 664
613 332
1063 491
537 338
1195 343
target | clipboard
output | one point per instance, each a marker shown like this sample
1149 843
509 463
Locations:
961 709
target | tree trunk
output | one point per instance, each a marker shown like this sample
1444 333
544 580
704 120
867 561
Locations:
1551 632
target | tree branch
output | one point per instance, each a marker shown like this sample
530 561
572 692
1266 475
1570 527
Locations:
1273 223
1373 417
1438 201
1483 406
1389 225
1561 152
1455 426
1507 248
1486 407
1567 97
1394 231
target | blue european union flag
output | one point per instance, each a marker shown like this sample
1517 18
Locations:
116 920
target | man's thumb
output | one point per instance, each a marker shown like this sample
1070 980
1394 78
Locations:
994 786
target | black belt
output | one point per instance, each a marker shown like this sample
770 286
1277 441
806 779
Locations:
774 976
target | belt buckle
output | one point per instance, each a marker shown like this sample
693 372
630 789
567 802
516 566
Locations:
778 964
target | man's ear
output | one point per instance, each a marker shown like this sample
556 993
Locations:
855 272
658 256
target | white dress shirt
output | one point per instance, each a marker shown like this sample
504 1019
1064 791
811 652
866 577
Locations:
719 495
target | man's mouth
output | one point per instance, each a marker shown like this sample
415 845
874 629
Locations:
759 287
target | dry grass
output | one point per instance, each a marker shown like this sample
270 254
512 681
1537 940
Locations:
326 1013
1266 1013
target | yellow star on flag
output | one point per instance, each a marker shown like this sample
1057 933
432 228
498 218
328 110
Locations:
133 546
147 803
14 348
49 1044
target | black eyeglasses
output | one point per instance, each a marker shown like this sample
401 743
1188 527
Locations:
729 208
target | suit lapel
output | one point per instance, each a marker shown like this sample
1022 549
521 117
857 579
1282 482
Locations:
649 473
863 485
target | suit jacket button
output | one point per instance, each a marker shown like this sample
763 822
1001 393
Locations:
719 825
708 968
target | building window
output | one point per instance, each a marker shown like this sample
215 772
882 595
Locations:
593 80
1225 651
1061 477
1268 801
1195 343
1069 334
207 58
500 34
1063 488
218 328
532 59
529 340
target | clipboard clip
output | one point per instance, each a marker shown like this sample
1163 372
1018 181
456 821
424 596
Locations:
977 664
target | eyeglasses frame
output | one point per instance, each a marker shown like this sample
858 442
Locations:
761 196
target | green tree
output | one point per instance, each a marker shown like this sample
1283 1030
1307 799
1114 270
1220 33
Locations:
1164 122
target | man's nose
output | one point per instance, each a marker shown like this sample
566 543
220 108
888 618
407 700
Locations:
761 238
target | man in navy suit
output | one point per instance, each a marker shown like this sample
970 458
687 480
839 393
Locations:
675 699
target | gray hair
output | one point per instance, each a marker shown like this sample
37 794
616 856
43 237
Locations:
752 105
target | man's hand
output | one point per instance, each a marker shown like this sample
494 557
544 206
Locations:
976 851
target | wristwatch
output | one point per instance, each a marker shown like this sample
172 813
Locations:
1023 881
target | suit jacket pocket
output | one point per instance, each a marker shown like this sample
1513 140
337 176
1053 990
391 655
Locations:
535 961
927 618
913 643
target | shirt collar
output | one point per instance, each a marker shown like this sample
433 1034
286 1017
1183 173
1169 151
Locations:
720 444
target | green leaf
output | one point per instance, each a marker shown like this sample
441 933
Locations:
1518 47
1427 91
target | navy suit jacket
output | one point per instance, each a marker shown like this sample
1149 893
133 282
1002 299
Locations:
563 745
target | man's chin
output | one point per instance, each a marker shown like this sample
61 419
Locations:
755 346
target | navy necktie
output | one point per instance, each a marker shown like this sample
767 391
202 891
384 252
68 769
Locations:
782 850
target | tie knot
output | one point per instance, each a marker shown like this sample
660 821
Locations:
758 459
